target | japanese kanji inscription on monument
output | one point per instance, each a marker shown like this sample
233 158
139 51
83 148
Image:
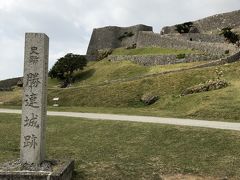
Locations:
34 98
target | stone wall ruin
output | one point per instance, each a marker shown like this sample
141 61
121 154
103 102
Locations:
112 37
204 37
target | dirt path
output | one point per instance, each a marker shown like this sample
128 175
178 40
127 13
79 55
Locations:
147 119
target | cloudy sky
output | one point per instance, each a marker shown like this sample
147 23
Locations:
69 23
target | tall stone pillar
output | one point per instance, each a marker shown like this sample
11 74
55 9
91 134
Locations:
34 105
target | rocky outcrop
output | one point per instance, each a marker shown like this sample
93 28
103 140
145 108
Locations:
207 86
149 98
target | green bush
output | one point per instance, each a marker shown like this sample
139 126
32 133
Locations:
65 66
229 35
184 28
181 56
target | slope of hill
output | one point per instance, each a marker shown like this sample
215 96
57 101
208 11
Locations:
118 87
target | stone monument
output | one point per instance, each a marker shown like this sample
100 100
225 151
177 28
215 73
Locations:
33 164
34 98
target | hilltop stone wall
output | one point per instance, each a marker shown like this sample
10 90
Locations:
114 37
148 39
212 23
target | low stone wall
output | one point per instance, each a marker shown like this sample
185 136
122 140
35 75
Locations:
233 58
149 39
162 59
8 83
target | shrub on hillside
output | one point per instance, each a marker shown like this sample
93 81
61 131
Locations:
181 56
229 35
184 28
65 66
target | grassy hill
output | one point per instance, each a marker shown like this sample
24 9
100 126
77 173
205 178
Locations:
116 87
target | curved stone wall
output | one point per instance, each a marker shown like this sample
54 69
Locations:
211 23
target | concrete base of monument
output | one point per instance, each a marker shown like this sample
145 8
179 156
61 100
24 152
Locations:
49 170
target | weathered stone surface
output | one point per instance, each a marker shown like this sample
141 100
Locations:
147 39
194 29
132 46
34 98
112 37
60 170
199 37
103 53
165 30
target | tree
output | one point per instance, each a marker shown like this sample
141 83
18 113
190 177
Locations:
184 28
229 35
65 66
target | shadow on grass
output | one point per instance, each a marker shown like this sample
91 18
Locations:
84 75
79 175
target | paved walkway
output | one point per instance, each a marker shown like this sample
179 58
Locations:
148 119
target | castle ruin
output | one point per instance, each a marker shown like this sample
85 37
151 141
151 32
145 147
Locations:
203 36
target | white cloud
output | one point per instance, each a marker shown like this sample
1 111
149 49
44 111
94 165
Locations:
69 23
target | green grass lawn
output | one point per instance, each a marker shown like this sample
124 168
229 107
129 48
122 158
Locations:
127 150
152 51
